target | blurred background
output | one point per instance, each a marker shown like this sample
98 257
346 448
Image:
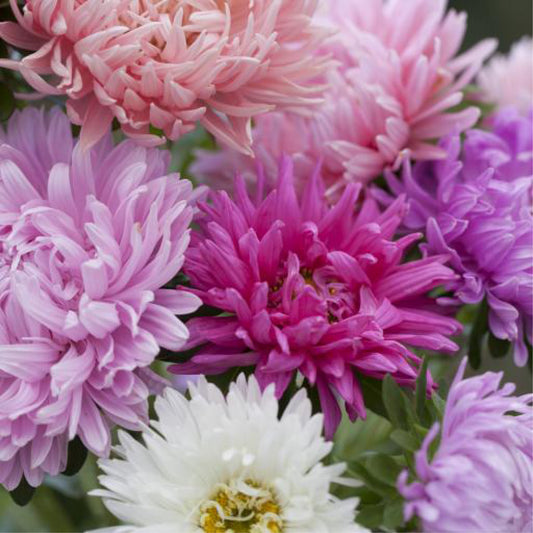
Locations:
507 20
62 504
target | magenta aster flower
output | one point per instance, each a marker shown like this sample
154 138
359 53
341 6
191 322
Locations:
399 77
87 240
480 478
476 207
169 63
311 288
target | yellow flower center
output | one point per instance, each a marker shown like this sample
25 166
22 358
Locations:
241 507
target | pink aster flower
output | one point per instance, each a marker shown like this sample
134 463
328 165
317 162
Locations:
305 287
169 63
507 80
399 76
87 240
480 478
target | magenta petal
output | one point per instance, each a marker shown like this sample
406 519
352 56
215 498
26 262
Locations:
330 408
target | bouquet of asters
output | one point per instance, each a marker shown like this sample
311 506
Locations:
266 266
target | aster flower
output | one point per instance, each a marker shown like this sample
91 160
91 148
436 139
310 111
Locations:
87 240
169 64
480 478
507 80
476 207
311 288
398 80
220 464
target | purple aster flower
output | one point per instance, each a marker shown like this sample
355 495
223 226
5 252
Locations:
476 207
480 478
87 240
311 288
507 146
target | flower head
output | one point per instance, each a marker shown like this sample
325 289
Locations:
480 478
398 79
476 207
508 80
87 240
215 464
305 287
169 63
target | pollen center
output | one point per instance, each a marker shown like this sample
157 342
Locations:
241 507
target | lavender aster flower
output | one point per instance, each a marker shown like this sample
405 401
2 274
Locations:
476 207
87 240
507 146
480 478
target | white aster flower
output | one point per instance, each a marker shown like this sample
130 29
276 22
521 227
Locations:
227 465
507 80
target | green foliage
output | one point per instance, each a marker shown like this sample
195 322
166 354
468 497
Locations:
60 505
23 493
498 347
183 150
476 336
77 454
378 449
7 102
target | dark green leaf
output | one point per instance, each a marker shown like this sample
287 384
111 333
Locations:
384 468
393 515
355 438
405 440
395 403
7 102
77 453
356 469
371 516
156 131
23 493
479 329
439 404
421 394
365 495
372 394
498 347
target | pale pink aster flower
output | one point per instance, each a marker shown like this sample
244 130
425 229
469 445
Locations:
399 78
169 63
306 287
507 80
479 480
87 240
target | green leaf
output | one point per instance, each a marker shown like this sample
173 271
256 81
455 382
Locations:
373 396
371 516
405 440
359 471
479 329
77 453
384 468
393 515
498 347
439 404
365 495
353 439
23 493
7 102
156 131
421 394
396 403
